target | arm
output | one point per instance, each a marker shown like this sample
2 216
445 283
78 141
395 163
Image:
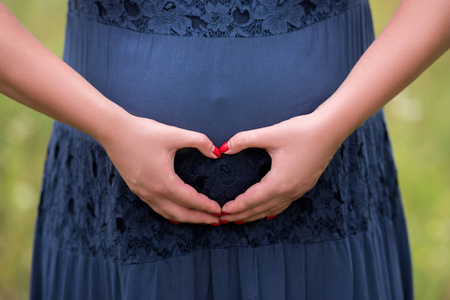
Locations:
416 36
32 75
35 77
301 147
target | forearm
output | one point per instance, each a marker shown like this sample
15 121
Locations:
35 77
417 34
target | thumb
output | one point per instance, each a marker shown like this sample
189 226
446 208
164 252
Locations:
200 141
257 138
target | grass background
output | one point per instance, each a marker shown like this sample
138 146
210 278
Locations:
417 120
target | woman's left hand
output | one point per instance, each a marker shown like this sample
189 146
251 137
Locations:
300 148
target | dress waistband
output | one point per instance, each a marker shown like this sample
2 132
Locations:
210 18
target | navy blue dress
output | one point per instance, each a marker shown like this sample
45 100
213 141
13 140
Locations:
200 64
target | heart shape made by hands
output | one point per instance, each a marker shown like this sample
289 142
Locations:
225 178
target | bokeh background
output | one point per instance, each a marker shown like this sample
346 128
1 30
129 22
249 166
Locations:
418 120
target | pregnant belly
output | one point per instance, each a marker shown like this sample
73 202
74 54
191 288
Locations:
217 86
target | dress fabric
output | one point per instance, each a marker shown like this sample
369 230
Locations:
219 67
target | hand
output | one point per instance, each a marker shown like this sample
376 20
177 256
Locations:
300 148
143 152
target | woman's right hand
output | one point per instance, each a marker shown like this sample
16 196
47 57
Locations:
143 151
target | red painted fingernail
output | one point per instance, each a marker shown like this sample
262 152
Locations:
217 214
215 224
223 221
239 222
225 213
225 147
270 217
174 222
216 152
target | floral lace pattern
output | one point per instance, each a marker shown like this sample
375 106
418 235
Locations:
210 18
86 206
225 179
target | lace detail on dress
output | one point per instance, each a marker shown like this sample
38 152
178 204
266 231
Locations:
225 179
86 206
210 18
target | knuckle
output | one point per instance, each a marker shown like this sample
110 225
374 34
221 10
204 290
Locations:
145 195
201 139
239 139
285 188
250 206
183 215
141 192
160 189
187 200
191 196
185 194
255 211
180 217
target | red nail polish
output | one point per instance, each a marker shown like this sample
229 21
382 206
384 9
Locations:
217 214
270 217
174 222
225 213
216 152
215 224
223 221
225 147
239 222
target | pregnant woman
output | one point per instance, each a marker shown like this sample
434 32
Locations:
302 195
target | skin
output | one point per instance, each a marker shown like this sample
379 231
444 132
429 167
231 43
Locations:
301 147
143 150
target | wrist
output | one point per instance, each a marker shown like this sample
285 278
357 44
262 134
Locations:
109 122
337 119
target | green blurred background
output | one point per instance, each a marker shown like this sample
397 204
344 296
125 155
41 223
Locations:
417 120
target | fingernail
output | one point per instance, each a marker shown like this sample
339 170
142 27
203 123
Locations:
174 222
270 217
225 213
216 152
215 224
225 147
239 222
223 221
217 214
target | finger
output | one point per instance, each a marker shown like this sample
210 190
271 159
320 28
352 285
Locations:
187 196
257 138
278 210
200 141
254 196
253 213
266 214
273 210
175 212
260 211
